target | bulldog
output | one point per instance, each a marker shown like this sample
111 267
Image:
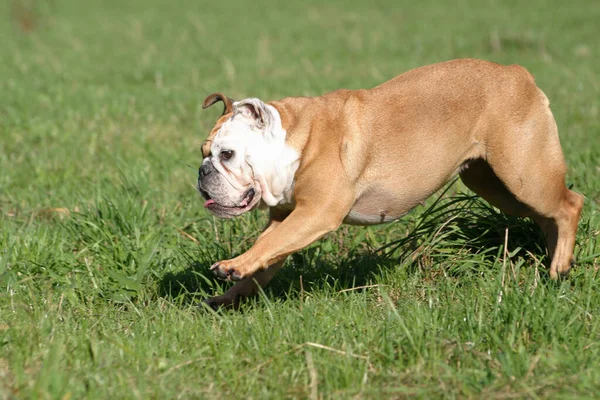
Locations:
369 156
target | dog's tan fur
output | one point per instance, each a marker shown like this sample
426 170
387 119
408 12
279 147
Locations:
369 156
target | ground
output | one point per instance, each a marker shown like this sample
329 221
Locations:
105 246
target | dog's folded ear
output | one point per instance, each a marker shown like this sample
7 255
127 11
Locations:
215 98
255 110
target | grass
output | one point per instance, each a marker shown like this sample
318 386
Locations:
105 247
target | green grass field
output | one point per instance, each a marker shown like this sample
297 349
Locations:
105 245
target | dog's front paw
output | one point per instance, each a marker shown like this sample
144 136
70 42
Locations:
227 270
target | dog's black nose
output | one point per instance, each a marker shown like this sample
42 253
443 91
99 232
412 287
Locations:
204 170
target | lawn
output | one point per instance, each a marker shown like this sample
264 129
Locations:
105 246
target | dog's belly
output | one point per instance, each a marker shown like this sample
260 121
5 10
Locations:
358 218
378 207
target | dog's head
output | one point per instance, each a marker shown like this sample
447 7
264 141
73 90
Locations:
245 158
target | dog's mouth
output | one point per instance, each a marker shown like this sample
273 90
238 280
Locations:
245 204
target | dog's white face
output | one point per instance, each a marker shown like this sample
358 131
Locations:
249 161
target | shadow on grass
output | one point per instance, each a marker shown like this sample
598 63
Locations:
456 235
194 283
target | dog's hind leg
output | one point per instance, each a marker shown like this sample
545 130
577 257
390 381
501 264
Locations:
478 176
556 210
524 175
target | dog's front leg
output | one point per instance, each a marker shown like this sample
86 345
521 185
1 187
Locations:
245 288
307 223
250 286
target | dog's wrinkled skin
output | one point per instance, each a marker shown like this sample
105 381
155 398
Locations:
369 156
259 164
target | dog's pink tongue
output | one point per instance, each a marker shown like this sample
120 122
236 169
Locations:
209 202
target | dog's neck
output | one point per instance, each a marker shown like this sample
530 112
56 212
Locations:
289 110
277 167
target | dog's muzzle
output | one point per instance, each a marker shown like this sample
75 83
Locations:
221 198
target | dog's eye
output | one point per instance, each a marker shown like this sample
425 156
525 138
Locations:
226 154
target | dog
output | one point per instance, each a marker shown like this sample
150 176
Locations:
369 156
